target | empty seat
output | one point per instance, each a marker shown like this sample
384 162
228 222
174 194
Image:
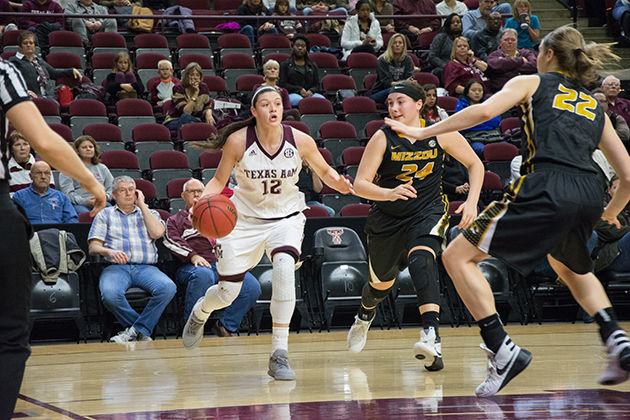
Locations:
315 112
107 136
147 64
121 162
331 83
273 44
151 43
350 158
216 85
195 132
132 112
359 65
108 42
372 127
194 44
499 157
234 43
166 165
448 103
360 110
208 162
279 57
235 65
337 129
148 189
49 109
64 60
84 112
67 42
326 63
102 65
149 138
63 130
355 210
204 62
425 78
298 125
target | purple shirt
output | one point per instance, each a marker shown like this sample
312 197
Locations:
621 107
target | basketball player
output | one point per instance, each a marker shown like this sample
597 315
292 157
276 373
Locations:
551 209
409 218
267 158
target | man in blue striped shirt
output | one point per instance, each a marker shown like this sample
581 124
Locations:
125 235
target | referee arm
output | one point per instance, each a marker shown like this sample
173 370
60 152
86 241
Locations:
26 118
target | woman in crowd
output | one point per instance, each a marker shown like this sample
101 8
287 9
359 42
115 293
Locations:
88 151
442 45
289 27
431 112
20 163
527 25
383 8
485 132
123 82
271 71
462 68
37 73
393 66
299 75
191 101
362 32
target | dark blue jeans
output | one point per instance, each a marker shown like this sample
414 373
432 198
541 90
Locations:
199 279
182 120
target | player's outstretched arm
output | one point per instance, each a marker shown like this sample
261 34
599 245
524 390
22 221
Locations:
308 150
232 152
371 160
456 145
617 156
26 118
516 91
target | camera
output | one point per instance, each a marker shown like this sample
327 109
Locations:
522 19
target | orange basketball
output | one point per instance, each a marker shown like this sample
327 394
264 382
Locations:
214 216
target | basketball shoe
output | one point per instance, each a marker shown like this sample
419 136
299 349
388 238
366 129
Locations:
429 348
357 336
193 330
503 366
618 359
279 368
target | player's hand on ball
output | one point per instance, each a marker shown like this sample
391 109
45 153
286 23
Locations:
402 192
405 130
468 212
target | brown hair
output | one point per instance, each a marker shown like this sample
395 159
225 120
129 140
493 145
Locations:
15 136
217 141
192 66
579 59
525 3
97 151
280 3
25 35
427 87
119 56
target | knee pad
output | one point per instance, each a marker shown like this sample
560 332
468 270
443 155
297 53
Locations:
370 297
227 291
283 277
424 274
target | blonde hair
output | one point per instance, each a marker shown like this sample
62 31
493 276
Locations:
270 62
119 56
388 55
165 61
454 48
192 66
525 3
579 59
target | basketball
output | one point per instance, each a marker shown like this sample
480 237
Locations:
214 216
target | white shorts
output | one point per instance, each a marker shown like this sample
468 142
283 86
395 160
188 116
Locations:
243 248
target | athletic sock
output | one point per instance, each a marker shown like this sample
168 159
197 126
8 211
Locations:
431 319
607 322
366 314
492 331
279 338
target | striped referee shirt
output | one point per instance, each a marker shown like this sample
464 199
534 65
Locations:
12 92
127 233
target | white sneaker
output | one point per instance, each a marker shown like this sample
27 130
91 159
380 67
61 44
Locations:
503 366
193 331
125 336
618 364
279 368
357 336
429 348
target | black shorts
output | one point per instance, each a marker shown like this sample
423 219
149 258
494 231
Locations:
551 211
390 238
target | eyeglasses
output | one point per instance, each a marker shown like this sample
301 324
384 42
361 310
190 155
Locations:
194 191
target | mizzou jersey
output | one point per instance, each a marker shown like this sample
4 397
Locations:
562 125
420 162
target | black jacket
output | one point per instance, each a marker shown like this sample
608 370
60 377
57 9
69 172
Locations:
112 87
293 81
244 10
30 75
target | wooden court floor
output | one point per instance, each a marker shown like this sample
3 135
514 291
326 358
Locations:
226 379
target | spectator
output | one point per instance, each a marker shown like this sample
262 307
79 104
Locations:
289 27
41 203
163 91
271 5
431 112
323 7
621 13
475 20
311 185
37 73
620 125
125 236
299 75
384 8
393 66
88 151
38 22
158 5
121 7
20 163
271 72
527 25
611 87
123 82
486 132
414 27
84 26
442 45
464 66
362 32
254 8
191 101
199 270
7 23
447 7
508 61
487 40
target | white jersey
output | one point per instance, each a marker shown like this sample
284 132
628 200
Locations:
267 183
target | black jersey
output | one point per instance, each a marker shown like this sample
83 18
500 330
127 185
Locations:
563 124
403 161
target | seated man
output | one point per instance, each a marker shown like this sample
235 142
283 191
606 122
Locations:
199 271
475 20
619 124
38 22
162 91
508 61
611 87
125 236
41 203
84 26
486 41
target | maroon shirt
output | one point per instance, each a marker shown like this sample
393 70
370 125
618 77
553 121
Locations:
456 73
416 7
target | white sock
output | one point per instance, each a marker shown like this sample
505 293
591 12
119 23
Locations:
279 338
218 296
